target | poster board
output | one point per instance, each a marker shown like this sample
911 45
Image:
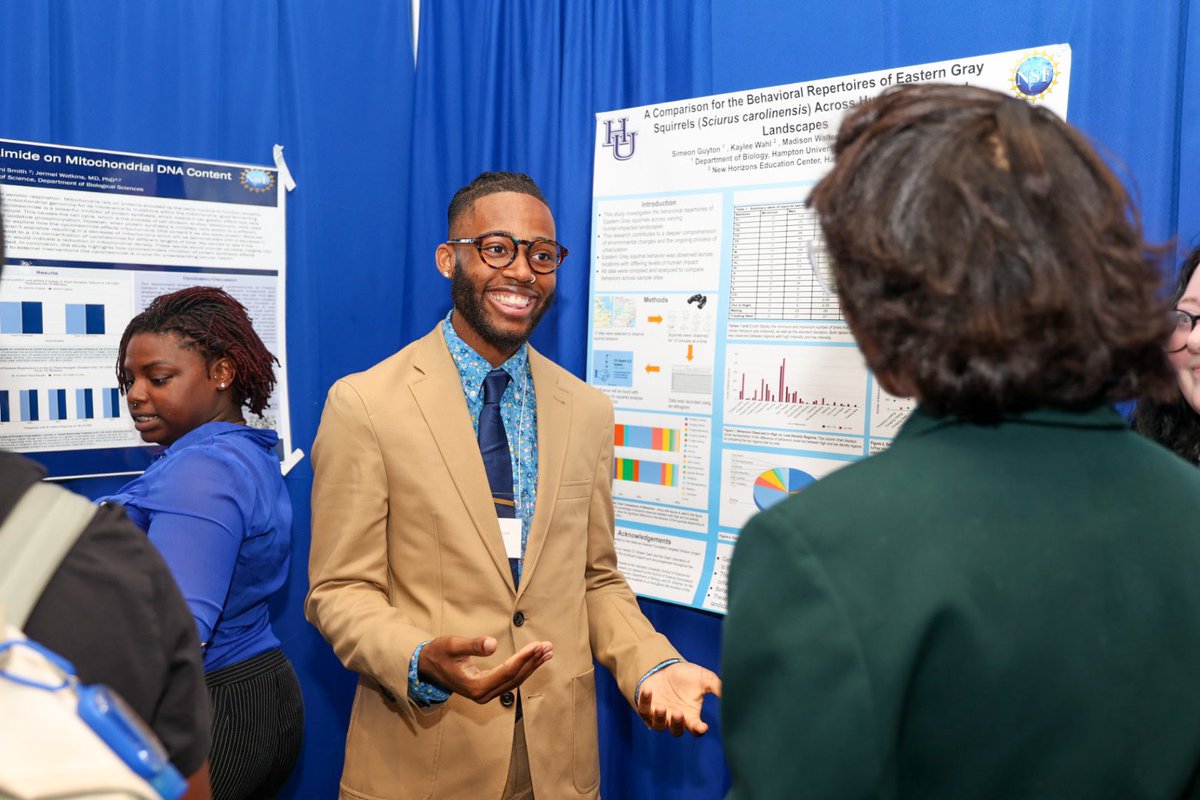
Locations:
714 326
92 236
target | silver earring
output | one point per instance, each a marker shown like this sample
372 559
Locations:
532 278
221 387
445 274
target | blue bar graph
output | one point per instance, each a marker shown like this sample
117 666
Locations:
5 415
112 403
31 317
84 408
10 317
95 318
76 318
20 317
85 318
29 405
58 403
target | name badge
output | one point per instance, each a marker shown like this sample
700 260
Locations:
510 531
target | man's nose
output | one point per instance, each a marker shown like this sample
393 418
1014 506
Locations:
522 265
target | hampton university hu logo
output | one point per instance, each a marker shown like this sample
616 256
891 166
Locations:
619 138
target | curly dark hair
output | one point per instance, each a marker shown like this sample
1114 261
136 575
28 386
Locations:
490 183
987 258
1174 423
216 326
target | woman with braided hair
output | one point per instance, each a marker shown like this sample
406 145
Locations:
216 507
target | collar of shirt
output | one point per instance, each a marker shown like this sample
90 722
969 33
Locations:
204 434
473 368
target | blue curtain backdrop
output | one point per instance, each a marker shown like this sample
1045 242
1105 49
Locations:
378 146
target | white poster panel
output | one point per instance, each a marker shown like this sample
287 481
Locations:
92 236
714 324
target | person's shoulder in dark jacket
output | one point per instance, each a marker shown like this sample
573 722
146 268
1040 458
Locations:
113 610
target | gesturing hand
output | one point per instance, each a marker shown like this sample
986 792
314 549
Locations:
671 698
449 661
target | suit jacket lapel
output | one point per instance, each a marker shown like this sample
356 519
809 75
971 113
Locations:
554 428
439 395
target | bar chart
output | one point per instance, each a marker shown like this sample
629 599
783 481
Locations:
29 405
111 399
660 458
799 388
85 403
57 399
647 437
33 317
639 470
20 317
55 404
85 318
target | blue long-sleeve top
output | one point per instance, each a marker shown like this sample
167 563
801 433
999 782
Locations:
216 507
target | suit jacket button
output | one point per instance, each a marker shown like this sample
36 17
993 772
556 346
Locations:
387 694
519 619
507 699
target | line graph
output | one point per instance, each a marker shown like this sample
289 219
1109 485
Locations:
888 412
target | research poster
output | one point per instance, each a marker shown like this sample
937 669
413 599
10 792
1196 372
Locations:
92 237
714 325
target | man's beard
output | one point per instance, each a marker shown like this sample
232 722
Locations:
470 304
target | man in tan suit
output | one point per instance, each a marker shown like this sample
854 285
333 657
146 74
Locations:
470 593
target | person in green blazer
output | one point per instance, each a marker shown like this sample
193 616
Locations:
1005 603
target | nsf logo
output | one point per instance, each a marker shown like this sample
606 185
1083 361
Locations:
258 180
1034 77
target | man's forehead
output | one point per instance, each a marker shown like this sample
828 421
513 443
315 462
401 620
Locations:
504 210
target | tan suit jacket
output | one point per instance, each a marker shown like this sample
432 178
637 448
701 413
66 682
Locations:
406 547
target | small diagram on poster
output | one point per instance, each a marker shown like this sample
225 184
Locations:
660 459
655 351
754 481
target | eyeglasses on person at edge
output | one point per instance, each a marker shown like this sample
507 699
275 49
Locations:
498 249
1184 323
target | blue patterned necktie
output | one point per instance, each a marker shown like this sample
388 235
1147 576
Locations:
493 446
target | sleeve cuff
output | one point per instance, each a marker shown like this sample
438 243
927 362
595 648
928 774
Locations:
423 693
638 691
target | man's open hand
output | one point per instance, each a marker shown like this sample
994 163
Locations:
670 699
449 662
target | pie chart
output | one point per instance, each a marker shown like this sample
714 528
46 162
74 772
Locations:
775 485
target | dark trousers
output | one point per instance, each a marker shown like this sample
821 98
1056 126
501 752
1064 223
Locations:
258 725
